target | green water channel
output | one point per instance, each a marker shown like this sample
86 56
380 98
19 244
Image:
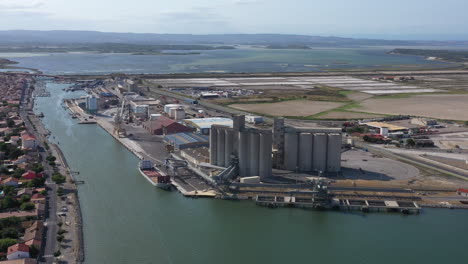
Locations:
126 220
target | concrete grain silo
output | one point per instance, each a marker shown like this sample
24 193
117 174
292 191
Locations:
228 146
254 152
291 141
305 152
221 147
266 141
244 163
214 147
334 153
319 153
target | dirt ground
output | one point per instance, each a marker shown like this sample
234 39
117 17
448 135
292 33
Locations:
289 108
348 115
451 106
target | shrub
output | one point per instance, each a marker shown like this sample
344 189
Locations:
5 243
58 178
27 206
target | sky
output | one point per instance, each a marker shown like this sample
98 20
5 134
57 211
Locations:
396 19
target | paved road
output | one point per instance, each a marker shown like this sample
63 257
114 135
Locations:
51 208
407 158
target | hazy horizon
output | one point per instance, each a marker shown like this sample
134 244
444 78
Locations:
400 20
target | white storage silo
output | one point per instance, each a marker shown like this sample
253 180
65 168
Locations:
179 114
154 116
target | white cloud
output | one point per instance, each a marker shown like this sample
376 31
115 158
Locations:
17 5
246 2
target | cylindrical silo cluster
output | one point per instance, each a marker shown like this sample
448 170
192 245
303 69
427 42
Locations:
252 147
308 151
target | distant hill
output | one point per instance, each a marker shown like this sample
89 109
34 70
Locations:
71 37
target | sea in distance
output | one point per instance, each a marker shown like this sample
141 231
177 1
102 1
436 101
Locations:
241 59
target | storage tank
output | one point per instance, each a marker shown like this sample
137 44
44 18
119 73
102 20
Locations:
243 153
228 147
266 144
154 116
179 114
254 152
319 155
172 112
213 146
221 145
334 153
384 131
305 152
291 141
168 106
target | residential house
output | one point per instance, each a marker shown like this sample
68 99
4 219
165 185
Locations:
14 140
10 181
30 175
18 251
28 141
20 261
33 234
38 198
462 192
5 131
25 191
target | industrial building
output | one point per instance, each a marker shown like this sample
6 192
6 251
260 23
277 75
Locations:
186 140
164 126
140 110
423 122
203 125
249 149
307 150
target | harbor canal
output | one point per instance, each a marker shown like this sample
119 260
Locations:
127 220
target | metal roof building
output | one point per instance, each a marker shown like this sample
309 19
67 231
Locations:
203 125
187 140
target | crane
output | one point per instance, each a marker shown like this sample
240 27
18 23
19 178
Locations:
118 119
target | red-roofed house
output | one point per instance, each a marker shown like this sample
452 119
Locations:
14 140
11 182
33 234
165 126
30 175
28 141
18 251
5 130
38 198
20 261
462 192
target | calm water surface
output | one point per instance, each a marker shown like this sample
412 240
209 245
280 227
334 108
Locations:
126 220
237 60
